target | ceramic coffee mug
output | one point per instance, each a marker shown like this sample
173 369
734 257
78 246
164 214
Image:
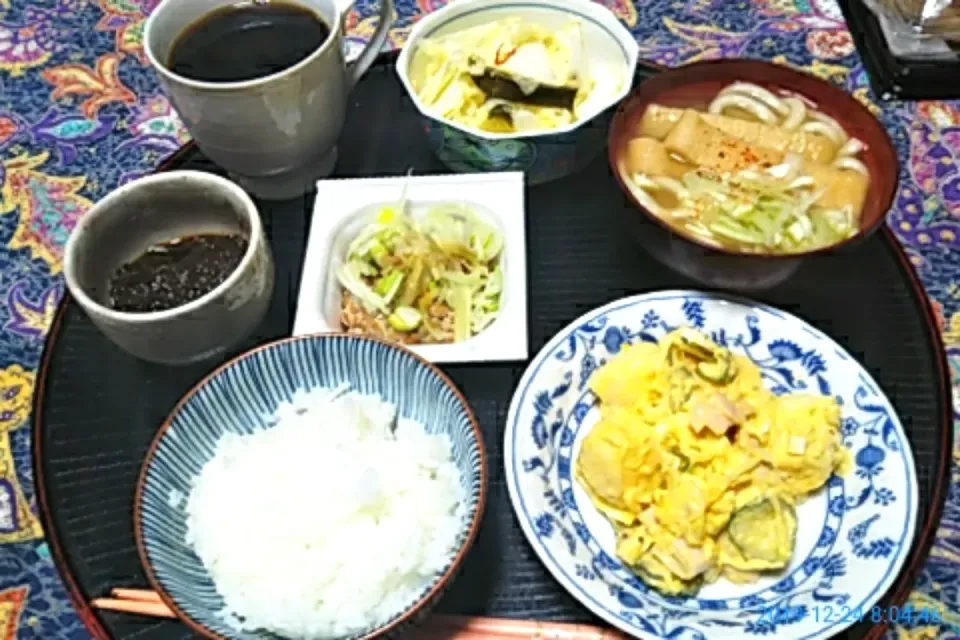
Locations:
276 134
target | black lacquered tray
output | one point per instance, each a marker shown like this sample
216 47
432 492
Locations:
96 409
891 76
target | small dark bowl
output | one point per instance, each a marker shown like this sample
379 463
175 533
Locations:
696 84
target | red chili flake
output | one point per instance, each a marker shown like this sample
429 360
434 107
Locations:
502 56
749 157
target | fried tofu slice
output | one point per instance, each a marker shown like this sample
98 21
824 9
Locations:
842 188
693 136
707 146
658 121
650 157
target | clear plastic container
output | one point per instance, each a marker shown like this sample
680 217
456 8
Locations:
919 29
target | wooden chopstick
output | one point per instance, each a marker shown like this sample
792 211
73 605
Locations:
140 607
436 627
142 601
143 595
466 628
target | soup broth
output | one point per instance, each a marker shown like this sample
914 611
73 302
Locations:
247 41
751 170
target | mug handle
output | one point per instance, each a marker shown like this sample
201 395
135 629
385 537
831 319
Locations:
358 67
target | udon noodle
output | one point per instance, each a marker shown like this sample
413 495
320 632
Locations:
754 171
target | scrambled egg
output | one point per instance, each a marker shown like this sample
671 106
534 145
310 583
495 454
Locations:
698 466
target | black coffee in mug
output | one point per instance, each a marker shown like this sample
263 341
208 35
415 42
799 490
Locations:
247 41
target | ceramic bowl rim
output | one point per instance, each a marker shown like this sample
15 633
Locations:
439 584
74 247
438 18
888 195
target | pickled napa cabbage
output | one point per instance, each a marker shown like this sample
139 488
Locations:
509 76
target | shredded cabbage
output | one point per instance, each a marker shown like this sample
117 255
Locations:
439 280
770 210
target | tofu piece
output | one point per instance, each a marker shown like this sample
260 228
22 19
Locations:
811 146
658 121
707 146
841 187
650 157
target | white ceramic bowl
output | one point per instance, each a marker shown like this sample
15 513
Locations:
542 155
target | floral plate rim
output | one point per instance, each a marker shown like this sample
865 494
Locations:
574 582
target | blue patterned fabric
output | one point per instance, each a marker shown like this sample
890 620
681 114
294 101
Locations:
81 112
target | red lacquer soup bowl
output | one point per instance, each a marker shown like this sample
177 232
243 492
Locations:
694 86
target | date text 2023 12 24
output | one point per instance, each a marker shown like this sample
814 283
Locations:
907 615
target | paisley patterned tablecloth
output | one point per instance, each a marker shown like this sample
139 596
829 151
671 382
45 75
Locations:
81 112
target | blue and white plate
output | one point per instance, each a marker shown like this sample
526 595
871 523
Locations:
853 536
241 397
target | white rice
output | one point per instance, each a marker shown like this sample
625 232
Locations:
175 499
326 525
